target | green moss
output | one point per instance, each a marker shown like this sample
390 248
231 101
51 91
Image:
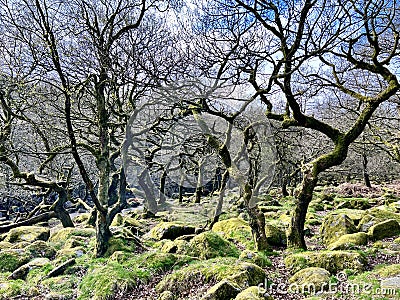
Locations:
41 249
215 269
258 258
385 271
11 288
317 277
209 245
60 237
11 259
333 261
334 226
349 241
253 293
387 228
104 279
27 234
236 229
65 287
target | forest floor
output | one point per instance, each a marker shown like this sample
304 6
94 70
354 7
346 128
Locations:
179 259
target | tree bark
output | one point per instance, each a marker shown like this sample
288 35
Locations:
367 181
295 233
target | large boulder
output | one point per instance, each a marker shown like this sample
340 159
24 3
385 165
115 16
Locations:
23 270
253 293
224 289
257 258
348 241
209 245
61 236
213 270
170 231
377 215
12 259
332 261
236 229
41 249
27 234
384 229
334 226
275 235
313 278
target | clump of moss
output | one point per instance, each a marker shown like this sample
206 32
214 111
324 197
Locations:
105 278
209 245
236 229
12 259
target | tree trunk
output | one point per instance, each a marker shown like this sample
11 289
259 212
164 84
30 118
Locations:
295 234
367 181
199 184
222 186
150 203
103 234
284 186
59 209
162 187
256 221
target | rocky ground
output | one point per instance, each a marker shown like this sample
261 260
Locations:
352 238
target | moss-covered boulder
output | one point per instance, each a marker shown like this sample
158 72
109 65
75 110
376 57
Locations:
334 226
253 293
349 241
41 249
377 215
60 287
217 269
5 245
27 234
235 229
12 259
12 288
209 245
177 246
353 203
275 236
169 230
332 261
104 281
257 258
384 229
61 236
224 289
313 278
23 270
167 295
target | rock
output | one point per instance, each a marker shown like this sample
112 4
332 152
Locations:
253 293
41 249
241 274
312 278
119 243
334 226
236 229
332 261
377 215
62 235
5 245
68 253
256 258
167 295
82 218
223 290
23 270
169 230
251 274
275 235
391 283
348 241
388 271
61 268
209 245
384 229
12 259
177 246
27 234
353 203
